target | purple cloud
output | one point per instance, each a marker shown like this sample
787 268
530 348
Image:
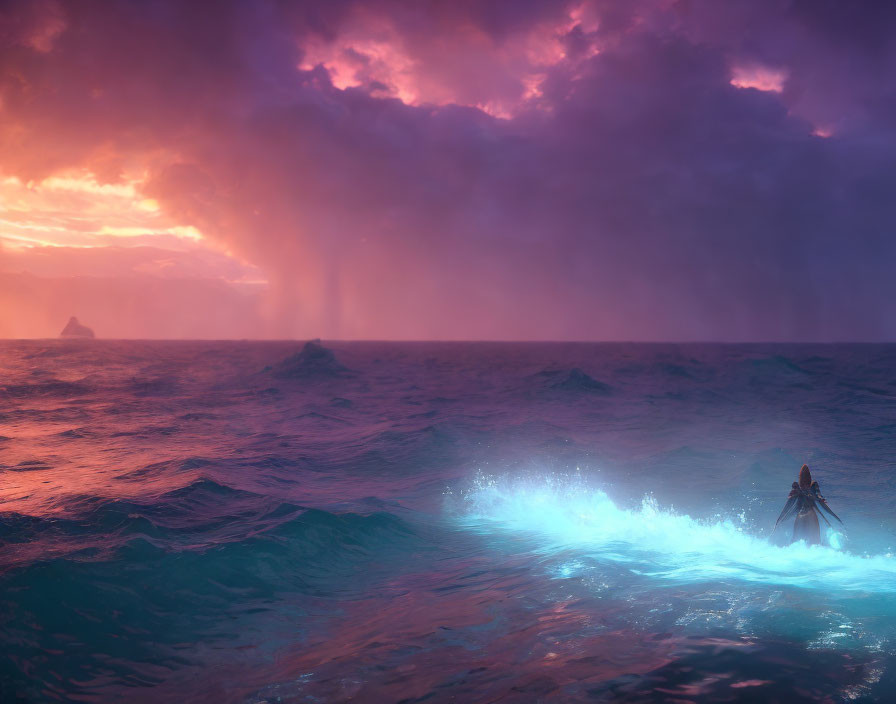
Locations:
538 170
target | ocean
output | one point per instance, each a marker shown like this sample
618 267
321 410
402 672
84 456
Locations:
443 522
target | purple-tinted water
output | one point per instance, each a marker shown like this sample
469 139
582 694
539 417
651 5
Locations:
206 522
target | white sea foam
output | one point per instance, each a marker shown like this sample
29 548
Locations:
562 513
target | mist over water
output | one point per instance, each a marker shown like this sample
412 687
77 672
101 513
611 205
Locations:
235 522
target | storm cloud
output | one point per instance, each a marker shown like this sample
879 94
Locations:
686 170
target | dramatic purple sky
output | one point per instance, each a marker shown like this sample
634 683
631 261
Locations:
455 169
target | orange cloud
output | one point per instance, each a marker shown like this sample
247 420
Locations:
762 78
372 52
73 209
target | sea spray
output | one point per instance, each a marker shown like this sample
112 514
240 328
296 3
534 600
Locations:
561 513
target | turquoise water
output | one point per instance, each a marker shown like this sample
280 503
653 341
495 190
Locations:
565 513
224 522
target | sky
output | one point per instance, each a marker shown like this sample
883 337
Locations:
647 170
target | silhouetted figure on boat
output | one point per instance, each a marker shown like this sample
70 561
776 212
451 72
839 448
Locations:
805 500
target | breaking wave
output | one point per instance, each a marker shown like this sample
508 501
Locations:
563 513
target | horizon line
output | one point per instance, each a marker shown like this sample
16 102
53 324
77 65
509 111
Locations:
450 341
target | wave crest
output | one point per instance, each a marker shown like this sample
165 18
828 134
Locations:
563 513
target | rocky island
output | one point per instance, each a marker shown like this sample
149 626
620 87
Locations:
76 330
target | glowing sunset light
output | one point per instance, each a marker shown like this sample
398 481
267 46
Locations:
447 350
360 60
17 241
190 233
75 210
453 170
759 78
533 86
372 53
85 183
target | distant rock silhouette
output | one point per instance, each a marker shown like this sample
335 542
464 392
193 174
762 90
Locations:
75 329
314 360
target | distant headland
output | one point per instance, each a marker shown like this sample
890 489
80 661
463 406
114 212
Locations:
75 329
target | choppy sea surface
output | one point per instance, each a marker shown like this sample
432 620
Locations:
407 522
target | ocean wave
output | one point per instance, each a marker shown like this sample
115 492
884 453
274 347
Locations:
25 466
690 370
199 516
283 548
778 370
574 380
192 512
312 361
137 611
153 386
562 513
51 388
